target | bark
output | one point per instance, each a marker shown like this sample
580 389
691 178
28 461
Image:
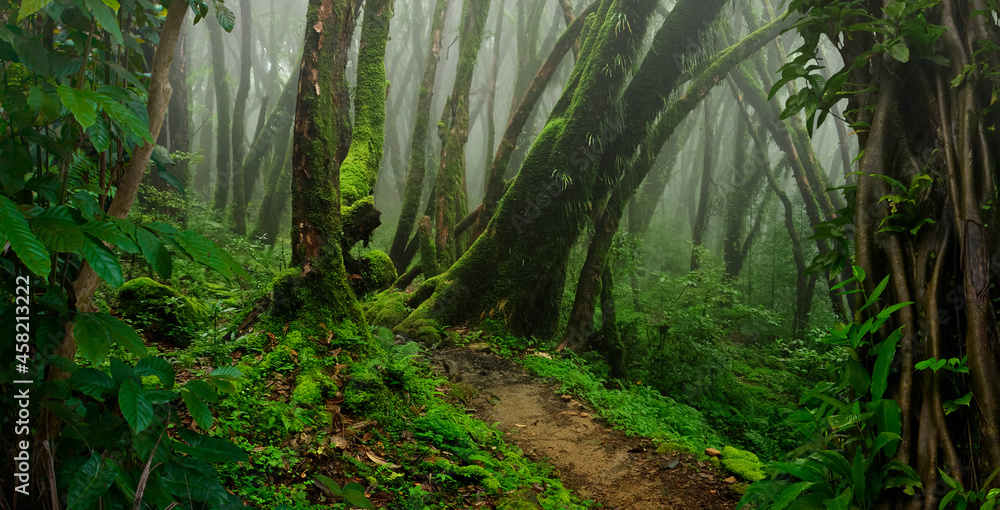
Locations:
701 220
450 195
495 185
203 177
321 139
179 119
272 206
569 16
240 193
223 109
611 346
521 257
418 142
736 205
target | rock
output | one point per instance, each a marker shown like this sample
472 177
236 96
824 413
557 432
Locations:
712 452
731 479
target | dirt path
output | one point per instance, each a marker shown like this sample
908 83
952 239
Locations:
591 458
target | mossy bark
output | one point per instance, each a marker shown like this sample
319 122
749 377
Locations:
273 204
495 182
240 193
179 117
516 270
418 141
322 133
450 194
701 220
224 112
360 168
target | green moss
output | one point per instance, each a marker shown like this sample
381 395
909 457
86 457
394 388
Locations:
523 499
463 392
388 309
160 311
377 271
307 391
743 463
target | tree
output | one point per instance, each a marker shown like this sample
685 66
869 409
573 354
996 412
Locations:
920 78
224 113
240 192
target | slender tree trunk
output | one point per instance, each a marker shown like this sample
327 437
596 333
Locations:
612 347
450 195
418 141
271 207
240 192
180 115
223 109
203 177
701 221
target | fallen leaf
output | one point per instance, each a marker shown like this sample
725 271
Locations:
380 461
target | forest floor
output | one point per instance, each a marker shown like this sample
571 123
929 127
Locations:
591 458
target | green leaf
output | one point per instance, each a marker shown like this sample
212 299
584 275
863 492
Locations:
875 294
29 7
103 262
202 250
105 15
15 228
329 483
354 494
202 389
100 135
198 408
857 376
90 483
885 438
888 418
91 382
58 234
135 406
789 494
841 502
111 233
82 103
171 180
161 368
227 372
190 483
43 103
209 449
154 251
227 20
93 339
137 126
899 51
886 352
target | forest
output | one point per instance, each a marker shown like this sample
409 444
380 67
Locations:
510 254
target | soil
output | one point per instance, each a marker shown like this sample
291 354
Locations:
594 460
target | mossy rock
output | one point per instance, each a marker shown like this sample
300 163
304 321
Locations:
388 309
463 392
161 312
377 272
523 499
743 463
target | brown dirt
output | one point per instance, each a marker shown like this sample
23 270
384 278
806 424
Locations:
596 461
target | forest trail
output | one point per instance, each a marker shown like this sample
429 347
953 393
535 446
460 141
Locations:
594 460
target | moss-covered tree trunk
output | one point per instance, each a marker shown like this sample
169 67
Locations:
322 136
450 203
495 183
203 174
418 141
240 193
224 124
516 270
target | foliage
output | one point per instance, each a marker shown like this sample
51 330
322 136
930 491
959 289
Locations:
852 430
74 110
160 311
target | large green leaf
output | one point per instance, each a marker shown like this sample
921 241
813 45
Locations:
204 251
135 406
154 251
152 365
354 494
58 234
209 449
227 20
136 126
105 15
103 262
202 389
190 484
198 408
90 483
29 7
880 374
227 372
111 233
83 104
91 382
95 332
15 228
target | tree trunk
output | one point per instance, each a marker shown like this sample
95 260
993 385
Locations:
203 177
272 206
223 109
418 141
240 193
450 195
179 118
701 220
